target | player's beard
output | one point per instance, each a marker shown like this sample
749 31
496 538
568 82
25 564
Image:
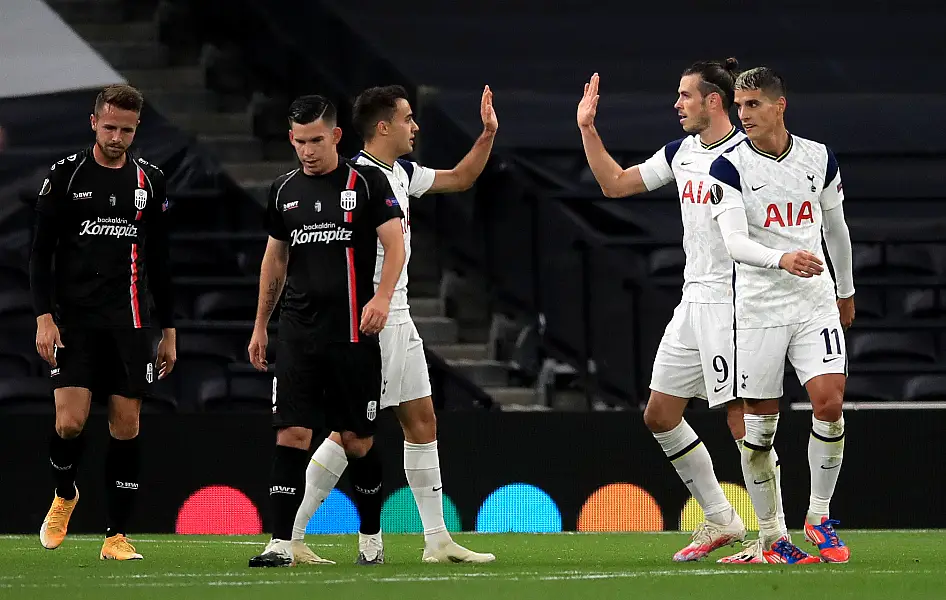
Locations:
112 152
702 122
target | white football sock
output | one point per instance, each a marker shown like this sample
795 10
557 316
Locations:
325 468
761 475
778 483
691 459
825 453
422 468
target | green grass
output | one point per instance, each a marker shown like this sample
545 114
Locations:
903 565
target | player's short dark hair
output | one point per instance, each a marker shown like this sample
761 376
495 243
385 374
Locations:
716 76
762 78
373 105
309 109
120 96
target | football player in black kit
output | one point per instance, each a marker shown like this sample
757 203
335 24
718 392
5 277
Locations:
324 221
101 219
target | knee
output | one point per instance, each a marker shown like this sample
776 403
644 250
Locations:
69 426
423 429
735 418
356 447
124 428
828 403
294 437
657 418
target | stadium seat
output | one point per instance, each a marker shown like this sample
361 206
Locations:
26 395
230 305
162 398
201 357
867 260
15 366
667 261
16 309
911 259
868 388
870 302
885 346
926 388
924 304
240 394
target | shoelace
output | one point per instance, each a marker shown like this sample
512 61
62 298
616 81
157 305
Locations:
828 529
124 545
786 548
58 516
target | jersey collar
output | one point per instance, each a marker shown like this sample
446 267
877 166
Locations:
719 142
376 161
779 158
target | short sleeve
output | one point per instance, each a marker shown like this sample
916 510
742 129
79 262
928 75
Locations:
382 203
656 170
726 187
275 225
51 194
420 178
832 196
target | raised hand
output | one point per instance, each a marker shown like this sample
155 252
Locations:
588 107
487 113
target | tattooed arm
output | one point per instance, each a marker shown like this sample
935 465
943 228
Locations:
271 281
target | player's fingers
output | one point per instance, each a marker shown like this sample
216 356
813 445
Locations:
594 83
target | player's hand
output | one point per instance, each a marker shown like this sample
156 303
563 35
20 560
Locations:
588 107
257 349
801 263
167 353
375 315
47 339
846 308
487 113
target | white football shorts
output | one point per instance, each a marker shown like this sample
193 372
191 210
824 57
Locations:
694 359
814 348
403 365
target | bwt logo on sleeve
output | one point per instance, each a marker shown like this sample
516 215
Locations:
320 232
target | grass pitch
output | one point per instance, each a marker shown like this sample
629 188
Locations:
884 565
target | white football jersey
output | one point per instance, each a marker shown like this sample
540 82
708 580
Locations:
707 275
407 179
783 197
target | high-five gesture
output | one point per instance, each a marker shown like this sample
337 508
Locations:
588 107
490 122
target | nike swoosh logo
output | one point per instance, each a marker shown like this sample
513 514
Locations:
683 164
437 489
827 360
719 389
763 481
756 189
829 468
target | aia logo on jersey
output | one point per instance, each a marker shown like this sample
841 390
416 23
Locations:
141 199
349 199
787 217
699 197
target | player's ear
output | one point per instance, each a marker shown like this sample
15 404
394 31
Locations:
782 105
292 138
336 135
92 121
381 128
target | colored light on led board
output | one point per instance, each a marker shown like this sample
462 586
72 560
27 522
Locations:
737 495
519 508
620 507
336 515
399 514
218 510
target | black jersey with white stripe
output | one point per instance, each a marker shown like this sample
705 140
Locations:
105 231
330 222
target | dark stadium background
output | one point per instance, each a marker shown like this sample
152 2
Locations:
541 303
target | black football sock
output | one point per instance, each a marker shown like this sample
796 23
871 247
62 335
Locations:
287 489
64 458
121 483
365 474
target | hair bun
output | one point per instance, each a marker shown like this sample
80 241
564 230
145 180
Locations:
732 65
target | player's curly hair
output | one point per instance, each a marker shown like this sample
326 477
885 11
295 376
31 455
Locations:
762 78
120 96
718 77
373 105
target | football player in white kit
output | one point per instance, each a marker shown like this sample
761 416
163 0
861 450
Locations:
773 197
694 358
385 121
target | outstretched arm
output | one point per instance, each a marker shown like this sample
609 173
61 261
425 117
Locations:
615 182
462 176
